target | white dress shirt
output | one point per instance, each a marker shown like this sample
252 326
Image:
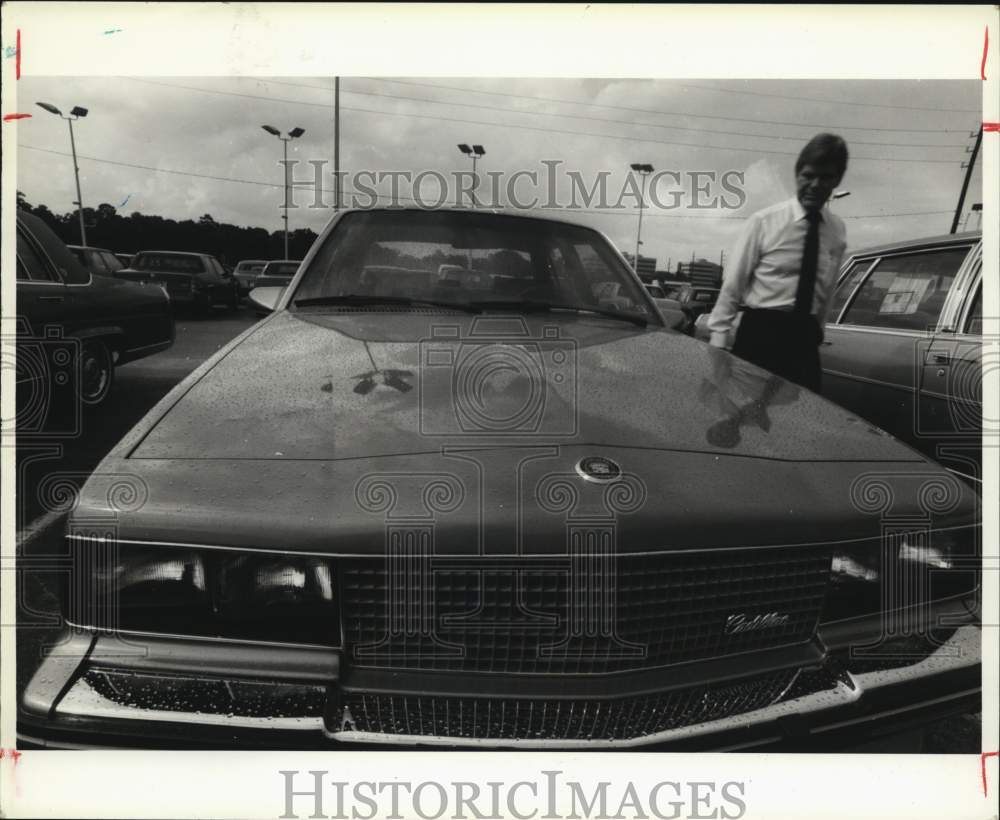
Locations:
763 269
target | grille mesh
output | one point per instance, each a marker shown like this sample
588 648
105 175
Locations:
637 612
509 719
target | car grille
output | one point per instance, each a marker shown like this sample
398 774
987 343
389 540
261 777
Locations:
642 612
529 719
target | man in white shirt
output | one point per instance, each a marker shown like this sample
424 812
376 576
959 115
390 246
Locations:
782 271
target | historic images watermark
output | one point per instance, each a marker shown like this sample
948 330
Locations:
918 563
548 796
552 185
498 531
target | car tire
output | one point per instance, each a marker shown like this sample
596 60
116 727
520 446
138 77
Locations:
97 372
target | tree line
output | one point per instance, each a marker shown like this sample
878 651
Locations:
106 228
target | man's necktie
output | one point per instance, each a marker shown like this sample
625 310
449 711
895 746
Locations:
807 274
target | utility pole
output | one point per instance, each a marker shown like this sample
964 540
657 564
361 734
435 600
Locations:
965 183
336 142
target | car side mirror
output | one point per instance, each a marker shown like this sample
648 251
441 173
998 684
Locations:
264 300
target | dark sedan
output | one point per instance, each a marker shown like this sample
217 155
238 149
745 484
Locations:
515 512
194 279
74 328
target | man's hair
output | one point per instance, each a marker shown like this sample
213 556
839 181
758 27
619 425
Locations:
821 149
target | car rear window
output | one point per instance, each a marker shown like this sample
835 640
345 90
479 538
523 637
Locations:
906 291
170 262
281 268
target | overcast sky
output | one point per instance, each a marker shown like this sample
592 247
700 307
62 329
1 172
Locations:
907 141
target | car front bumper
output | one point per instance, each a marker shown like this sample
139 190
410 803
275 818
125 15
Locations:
74 702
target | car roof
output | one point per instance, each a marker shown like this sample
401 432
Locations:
53 245
87 248
176 253
913 244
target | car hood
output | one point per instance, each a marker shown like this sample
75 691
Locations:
357 385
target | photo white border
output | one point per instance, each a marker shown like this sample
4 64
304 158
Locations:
796 41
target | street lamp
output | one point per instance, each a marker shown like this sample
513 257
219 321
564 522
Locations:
295 133
644 169
75 114
475 152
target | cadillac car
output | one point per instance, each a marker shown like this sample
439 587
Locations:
516 511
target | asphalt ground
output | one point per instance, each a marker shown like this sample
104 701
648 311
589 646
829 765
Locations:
138 386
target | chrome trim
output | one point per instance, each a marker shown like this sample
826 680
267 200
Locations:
884 331
519 557
854 291
965 643
83 701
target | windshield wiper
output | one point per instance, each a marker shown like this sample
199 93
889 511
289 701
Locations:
361 300
530 306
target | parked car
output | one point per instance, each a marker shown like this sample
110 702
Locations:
520 515
194 279
246 272
682 311
903 345
96 260
663 304
74 328
277 273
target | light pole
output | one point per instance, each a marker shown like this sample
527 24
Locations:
644 169
75 114
295 133
475 152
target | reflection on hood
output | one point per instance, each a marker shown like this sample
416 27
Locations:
738 394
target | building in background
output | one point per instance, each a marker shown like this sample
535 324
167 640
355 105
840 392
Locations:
701 272
646 268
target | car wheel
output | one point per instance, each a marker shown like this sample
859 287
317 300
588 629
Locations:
97 372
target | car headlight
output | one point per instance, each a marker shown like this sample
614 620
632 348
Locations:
904 569
252 596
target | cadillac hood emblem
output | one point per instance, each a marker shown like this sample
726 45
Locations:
599 469
740 622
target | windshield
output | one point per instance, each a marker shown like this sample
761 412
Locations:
475 258
175 262
250 267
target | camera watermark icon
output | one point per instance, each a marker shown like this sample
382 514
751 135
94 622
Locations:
918 564
48 378
79 579
949 375
499 380
456 587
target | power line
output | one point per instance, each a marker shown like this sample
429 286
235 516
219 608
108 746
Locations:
465 90
618 121
623 138
355 192
644 124
832 102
